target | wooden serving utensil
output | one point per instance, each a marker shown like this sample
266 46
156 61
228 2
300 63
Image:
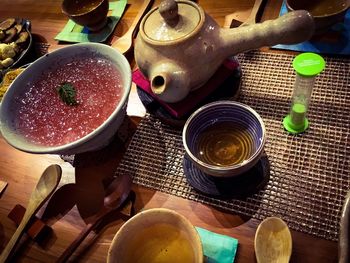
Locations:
116 194
43 190
124 43
273 241
343 245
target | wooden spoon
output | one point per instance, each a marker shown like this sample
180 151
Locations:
116 194
343 245
124 43
43 190
273 241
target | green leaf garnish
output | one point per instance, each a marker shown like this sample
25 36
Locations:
67 93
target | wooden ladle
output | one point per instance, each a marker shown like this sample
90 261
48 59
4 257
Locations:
124 43
43 190
343 243
116 194
273 241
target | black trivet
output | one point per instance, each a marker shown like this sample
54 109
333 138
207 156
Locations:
240 186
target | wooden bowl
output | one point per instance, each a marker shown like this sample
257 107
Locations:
89 13
326 13
156 235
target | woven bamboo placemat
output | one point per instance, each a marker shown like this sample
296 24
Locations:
309 173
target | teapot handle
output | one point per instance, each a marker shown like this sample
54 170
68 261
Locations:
291 28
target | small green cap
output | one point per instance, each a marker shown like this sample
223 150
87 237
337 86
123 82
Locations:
308 64
292 128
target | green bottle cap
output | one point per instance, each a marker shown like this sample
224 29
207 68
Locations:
308 64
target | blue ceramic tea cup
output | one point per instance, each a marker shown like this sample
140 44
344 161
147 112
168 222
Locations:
224 138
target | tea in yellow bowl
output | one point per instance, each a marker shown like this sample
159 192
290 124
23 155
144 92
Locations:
156 235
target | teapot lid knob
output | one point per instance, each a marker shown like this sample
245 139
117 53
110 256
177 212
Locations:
171 21
168 9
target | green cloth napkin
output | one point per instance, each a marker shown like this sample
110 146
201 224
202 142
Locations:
217 248
76 33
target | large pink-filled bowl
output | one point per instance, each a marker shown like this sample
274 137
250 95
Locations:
16 127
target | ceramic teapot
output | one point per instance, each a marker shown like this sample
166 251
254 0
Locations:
179 47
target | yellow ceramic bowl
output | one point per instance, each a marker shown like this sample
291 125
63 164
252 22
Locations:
156 235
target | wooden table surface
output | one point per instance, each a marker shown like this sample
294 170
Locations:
22 170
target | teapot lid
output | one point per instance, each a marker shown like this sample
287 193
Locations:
172 21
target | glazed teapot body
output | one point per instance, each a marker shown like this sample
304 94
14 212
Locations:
179 47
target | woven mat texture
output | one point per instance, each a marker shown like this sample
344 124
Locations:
309 173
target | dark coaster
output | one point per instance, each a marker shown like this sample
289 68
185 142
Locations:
240 186
229 89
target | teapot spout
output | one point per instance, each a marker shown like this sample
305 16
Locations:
291 28
169 82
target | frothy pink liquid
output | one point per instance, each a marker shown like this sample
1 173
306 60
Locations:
43 118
